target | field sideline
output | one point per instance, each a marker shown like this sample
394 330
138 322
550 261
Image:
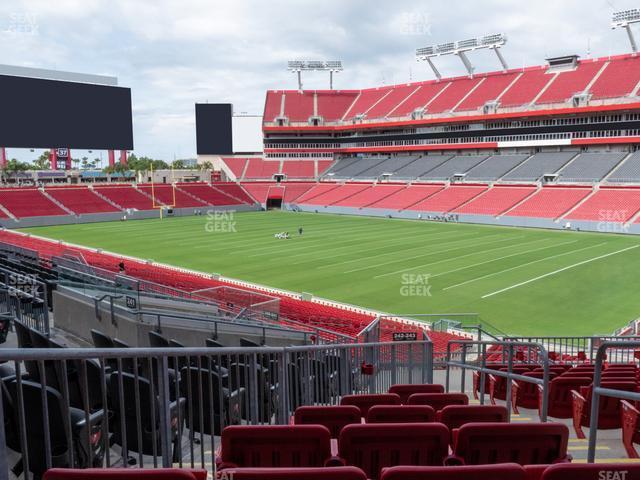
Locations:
522 281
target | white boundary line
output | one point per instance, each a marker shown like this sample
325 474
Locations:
528 263
495 259
558 271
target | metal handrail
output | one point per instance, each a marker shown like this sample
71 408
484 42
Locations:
509 375
599 391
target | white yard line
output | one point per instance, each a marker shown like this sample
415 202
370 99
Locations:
540 277
431 236
494 260
456 258
433 252
528 263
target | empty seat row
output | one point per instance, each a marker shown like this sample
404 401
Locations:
373 447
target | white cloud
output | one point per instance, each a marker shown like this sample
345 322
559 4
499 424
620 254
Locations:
173 53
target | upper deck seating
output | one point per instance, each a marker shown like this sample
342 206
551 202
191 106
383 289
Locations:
618 79
494 167
568 83
538 165
456 165
590 167
628 172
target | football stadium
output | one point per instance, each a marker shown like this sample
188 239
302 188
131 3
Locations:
408 280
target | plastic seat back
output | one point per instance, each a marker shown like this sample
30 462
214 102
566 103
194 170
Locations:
373 447
439 400
275 446
333 417
505 471
454 416
401 414
366 401
560 403
525 444
329 473
125 474
406 390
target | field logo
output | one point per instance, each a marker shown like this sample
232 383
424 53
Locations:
612 221
415 285
612 475
220 221
415 23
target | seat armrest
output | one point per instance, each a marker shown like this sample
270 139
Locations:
578 403
94 419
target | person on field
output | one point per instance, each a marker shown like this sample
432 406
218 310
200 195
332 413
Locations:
300 231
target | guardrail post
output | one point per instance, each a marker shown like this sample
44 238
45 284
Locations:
283 384
448 367
595 406
463 376
427 367
4 466
483 375
165 410
509 371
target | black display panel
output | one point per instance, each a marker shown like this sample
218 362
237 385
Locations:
37 113
213 128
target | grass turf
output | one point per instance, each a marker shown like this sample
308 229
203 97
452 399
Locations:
522 281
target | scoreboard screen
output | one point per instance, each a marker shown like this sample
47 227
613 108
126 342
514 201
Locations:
41 113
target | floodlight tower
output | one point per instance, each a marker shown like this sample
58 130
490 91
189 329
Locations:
298 66
461 48
624 19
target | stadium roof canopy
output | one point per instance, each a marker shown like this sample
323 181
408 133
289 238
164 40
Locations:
58 75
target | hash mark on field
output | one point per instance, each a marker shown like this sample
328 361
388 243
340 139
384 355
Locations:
528 263
540 277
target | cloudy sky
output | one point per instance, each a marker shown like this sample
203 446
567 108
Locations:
174 53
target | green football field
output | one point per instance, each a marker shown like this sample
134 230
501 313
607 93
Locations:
521 281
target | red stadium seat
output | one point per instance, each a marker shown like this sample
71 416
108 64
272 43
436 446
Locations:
366 401
333 417
454 416
439 400
609 415
503 471
595 471
525 444
275 446
329 473
125 474
373 447
630 428
560 401
400 414
406 390
525 394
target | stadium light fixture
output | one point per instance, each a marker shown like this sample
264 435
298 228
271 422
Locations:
624 19
460 48
299 66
